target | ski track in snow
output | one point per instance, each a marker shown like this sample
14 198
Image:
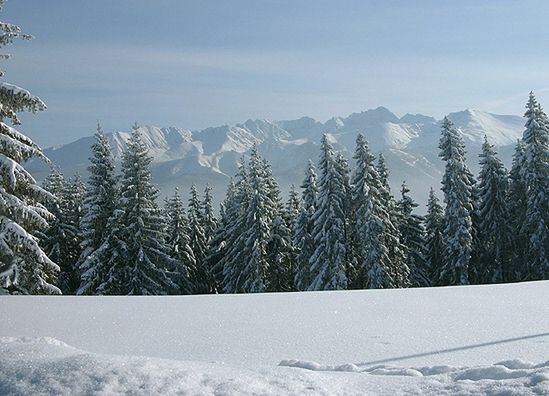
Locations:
46 366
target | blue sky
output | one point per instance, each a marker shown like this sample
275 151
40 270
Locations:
202 63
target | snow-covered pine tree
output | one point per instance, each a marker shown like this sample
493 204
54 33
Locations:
302 240
208 219
494 231
72 203
140 264
328 263
293 206
200 278
413 238
97 217
373 266
517 216
178 242
434 229
536 176
457 188
391 221
280 258
217 247
259 216
24 267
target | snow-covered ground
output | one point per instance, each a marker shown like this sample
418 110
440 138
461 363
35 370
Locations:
464 340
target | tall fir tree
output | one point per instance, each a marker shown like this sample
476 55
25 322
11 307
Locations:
495 233
280 257
72 201
179 244
140 264
302 237
293 206
434 230
97 220
208 219
328 263
24 267
235 213
457 188
200 277
373 263
413 238
391 221
218 247
517 216
535 172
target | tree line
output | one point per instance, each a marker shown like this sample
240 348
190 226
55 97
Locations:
343 230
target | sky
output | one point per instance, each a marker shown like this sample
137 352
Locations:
195 64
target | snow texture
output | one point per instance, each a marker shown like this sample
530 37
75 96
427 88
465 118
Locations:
412 341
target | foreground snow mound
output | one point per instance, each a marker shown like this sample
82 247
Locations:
45 366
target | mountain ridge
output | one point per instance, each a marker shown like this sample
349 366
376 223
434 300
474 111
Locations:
210 155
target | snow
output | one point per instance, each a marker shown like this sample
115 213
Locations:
212 153
465 340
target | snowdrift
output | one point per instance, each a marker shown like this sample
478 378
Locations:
466 340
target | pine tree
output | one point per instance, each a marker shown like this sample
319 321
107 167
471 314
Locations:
390 217
72 200
24 267
139 264
302 240
293 206
517 216
373 265
97 217
61 240
200 277
536 176
457 188
413 238
235 213
494 229
280 258
328 263
217 247
434 229
178 243
208 219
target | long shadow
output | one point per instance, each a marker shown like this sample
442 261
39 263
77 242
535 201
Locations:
463 348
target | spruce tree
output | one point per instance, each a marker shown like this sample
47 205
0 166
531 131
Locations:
235 212
434 230
390 217
303 241
413 238
208 219
140 264
293 206
374 268
217 247
517 216
328 263
536 176
280 258
200 277
24 267
97 219
178 243
457 188
494 230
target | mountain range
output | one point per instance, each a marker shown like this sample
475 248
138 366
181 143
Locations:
410 145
